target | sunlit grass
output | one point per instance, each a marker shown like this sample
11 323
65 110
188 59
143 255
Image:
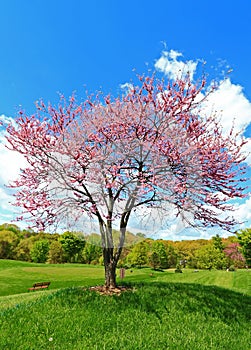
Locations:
239 280
16 277
17 299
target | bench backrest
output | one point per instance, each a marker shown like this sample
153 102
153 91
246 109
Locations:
39 284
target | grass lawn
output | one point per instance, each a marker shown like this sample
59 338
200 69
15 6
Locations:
198 311
239 281
17 276
153 316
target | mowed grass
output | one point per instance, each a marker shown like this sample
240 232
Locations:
163 310
17 276
239 281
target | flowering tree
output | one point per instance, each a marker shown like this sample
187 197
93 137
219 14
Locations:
234 255
151 148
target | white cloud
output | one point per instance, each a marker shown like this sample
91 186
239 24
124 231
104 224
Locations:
10 164
243 212
7 211
231 105
228 101
169 64
5 120
127 87
10 161
232 108
5 198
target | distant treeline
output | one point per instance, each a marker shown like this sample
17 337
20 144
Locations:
139 251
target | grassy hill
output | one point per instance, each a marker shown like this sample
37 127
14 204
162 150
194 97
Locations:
163 311
152 316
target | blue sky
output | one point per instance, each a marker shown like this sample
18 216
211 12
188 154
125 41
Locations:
51 46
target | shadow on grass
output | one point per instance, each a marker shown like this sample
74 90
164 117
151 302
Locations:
211 301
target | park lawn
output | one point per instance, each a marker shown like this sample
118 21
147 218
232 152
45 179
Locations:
17 276
239 280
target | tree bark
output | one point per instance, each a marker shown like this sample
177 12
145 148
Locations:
110 263
110 275
111 256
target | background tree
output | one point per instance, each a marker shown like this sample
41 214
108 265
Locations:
154 260
26 243
10 227
55 254
91 253
172 254
151 147
208 257
8 242
234 255
158 255
24 248
217 243
244 238
72 246
139 255
39 251
186 249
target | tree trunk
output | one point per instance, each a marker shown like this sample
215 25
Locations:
110 276
111 255
110 268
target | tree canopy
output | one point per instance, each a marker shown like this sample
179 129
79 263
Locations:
108 157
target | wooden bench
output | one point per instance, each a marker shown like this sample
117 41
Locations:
40 285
